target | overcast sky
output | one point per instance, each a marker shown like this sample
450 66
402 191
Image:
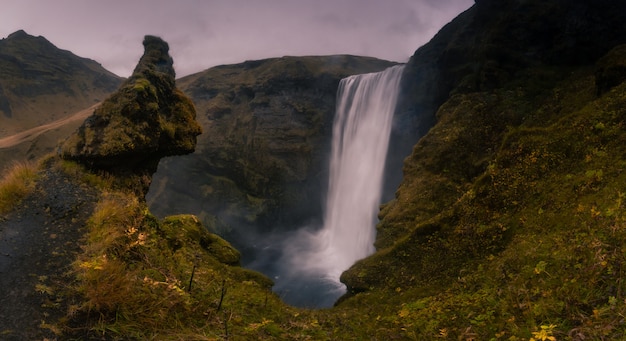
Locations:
206 33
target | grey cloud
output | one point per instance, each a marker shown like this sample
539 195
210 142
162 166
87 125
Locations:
202 34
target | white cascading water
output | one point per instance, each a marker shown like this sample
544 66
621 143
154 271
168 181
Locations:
365 106
361 130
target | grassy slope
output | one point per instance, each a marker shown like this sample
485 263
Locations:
41 83
16 182
534 240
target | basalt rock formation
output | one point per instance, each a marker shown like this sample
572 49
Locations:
146 119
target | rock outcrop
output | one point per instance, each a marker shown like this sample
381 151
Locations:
146 119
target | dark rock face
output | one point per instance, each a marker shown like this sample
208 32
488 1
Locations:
490 43
496 43
145 120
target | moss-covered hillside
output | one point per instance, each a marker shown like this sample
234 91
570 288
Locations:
509 219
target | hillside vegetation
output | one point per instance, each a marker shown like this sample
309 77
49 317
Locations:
534 241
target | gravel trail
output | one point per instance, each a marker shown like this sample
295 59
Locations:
39 240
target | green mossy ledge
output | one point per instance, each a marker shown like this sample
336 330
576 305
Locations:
145 120
182 229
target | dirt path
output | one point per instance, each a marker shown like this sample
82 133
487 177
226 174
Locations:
30 134
38 243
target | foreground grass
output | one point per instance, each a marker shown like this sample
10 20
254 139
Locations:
17 181
139 277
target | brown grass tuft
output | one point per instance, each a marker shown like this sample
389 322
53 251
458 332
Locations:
18 180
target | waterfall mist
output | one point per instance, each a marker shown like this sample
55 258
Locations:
309 262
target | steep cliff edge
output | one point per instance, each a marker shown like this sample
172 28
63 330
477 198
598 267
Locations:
519 181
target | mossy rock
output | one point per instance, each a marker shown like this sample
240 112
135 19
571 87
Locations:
146 119
187 230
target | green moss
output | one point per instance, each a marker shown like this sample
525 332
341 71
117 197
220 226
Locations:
182 230
501 250
142 85
529 242
509 225
146 119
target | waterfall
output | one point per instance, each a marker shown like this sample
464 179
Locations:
365 107
315 260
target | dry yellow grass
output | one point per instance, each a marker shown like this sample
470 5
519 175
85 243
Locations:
17 181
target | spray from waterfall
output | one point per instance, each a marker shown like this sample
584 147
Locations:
313 259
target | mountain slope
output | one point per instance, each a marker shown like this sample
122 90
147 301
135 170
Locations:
40 83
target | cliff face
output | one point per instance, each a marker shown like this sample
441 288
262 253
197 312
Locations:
495 45
489 44
523 107
142 122
40 83
262 158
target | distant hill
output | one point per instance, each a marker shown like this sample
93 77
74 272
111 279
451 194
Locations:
40 83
